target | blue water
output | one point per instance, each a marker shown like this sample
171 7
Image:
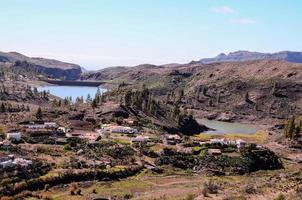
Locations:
227 127
72 91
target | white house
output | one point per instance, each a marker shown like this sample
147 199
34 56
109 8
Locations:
50 125
238 143
12 162
45 125
34 126
64 129
5 143
15 136
121 129
22 162
7 163
139 139
173 139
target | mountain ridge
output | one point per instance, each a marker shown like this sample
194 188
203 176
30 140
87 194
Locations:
50 67
243 55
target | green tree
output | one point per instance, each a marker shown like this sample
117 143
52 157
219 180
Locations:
2 108
204 91
247 97
128 100
98 92
59 103
94 104
291 130
66 101
88 99
39 114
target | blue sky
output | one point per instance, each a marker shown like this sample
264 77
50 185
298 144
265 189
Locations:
102 33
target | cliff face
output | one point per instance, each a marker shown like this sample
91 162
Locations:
47 67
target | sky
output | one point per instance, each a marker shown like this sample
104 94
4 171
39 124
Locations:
102 33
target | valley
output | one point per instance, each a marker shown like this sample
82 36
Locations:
222 129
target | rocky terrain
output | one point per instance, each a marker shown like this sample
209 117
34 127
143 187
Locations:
141 139
262 88
48 67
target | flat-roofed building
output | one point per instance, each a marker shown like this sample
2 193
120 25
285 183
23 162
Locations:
13 136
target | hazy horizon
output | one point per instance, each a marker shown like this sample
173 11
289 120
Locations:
98 34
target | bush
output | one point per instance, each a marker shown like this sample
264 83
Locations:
204 192
235 198
46 198
299 192
128 196
280 197
46 187
249 189
73 189
79 192
67 147
73 141
2 134
189 197
210 187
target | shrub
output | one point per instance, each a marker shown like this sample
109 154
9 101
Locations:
249 189
67 147
235 198
128 196
204 192
280 197
189 197
210 187
299 192
46 198
46 187
79 192
73 189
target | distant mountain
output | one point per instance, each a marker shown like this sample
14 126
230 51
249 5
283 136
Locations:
50 67
239 56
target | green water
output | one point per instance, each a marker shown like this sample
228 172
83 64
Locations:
227 127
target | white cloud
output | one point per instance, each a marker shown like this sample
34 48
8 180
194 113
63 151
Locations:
223 10
244 21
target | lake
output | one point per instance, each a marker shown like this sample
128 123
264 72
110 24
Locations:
71 91
227 127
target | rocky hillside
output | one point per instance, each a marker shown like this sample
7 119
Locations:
258 89
47 67
239 56
266 88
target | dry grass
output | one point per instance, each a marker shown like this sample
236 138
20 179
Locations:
258 137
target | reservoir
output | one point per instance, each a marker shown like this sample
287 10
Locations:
227 127
72 91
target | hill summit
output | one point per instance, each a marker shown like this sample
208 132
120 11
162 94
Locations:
239 56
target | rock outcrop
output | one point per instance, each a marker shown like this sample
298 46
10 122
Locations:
47 67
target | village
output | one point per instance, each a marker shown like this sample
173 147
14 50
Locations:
51 133
79 144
